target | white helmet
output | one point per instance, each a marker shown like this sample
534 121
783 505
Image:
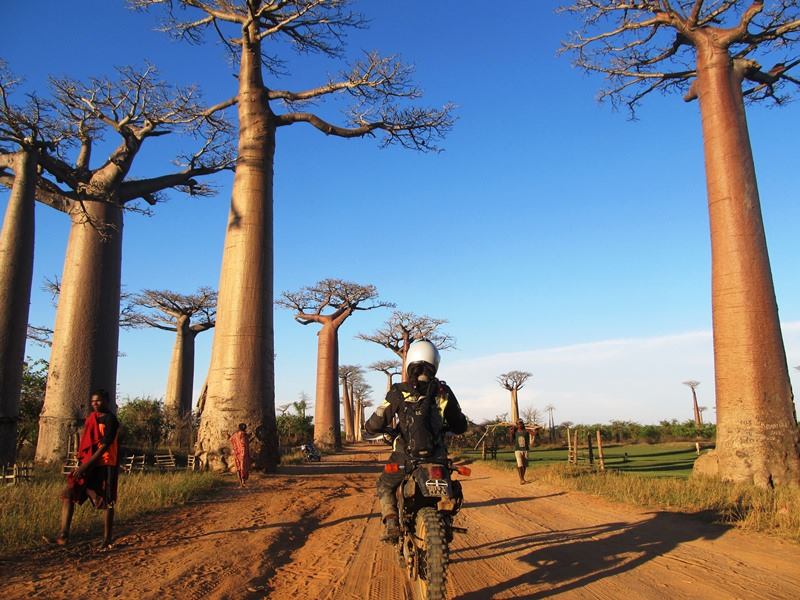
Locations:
422 351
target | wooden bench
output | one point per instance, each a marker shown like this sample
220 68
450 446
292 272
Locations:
165 462
132 463
13 474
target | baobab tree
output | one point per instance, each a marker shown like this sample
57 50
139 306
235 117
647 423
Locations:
711 50
347 373
361 392
136 107
390 368
698 419
551 424
514 381
404 328
24 130
186 315
341 299
241 378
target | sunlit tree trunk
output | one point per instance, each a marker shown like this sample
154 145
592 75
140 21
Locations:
16 273
241 386
86 333
180 381
757 434
514 406
326 408
348 411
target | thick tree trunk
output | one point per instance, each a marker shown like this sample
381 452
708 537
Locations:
16 273
388 382
358 421
514 407
178 399
348 412
757 435
241 382
327 431
86 334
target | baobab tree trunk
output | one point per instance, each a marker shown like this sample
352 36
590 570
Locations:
178 399
698 420
757 435
241 382
388 382
16 274
326 409
358 421
83 356
514 407
348 412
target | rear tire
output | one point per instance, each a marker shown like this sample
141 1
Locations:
432 554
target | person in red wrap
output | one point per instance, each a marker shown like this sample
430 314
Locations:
240 444
98 467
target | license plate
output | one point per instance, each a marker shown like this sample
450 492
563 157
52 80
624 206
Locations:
436 487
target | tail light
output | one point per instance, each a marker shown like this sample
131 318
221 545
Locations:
465 471
391 468
436 472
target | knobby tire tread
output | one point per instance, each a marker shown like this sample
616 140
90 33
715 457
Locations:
429 523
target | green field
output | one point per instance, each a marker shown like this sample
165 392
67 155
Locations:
654 460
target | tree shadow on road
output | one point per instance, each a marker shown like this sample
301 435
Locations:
561 561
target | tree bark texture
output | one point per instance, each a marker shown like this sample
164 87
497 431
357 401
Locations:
180 381
86 334
327 432
757 435
16 274
348 412
241 383
514 407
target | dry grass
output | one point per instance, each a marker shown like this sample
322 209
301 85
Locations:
31 510
746 506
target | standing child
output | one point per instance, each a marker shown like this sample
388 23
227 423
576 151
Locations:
98 467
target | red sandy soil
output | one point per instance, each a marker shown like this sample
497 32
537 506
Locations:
311 532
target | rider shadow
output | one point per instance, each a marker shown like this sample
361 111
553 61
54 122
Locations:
569 560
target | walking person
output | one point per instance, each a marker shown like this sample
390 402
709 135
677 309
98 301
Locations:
240 444
95 477
522 444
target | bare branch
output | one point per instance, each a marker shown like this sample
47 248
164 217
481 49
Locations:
163 309
339 297
646 46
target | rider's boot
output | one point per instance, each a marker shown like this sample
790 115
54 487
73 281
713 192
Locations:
391 529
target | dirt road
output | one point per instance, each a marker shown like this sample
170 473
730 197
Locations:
311 532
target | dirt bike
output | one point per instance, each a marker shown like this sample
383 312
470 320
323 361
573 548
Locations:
310 452
427 500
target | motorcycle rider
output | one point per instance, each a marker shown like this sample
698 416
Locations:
404 400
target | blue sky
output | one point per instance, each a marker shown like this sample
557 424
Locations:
550 226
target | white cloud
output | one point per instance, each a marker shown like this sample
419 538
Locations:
634 379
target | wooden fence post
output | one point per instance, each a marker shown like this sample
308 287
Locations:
589 446
600 456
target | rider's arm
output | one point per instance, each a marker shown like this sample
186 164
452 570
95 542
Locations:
381 419
453 417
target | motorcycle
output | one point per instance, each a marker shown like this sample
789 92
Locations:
310 452
427 500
